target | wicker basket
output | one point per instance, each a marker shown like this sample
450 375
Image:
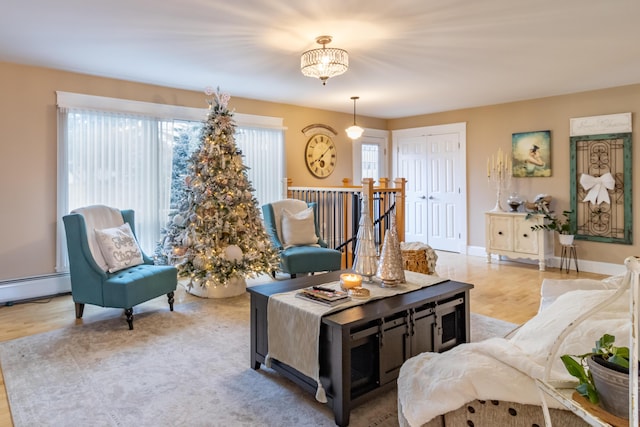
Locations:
415 261
418 257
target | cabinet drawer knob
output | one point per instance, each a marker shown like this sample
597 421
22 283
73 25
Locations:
525 235
500 233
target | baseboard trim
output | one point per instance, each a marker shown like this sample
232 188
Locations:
34 287
583 265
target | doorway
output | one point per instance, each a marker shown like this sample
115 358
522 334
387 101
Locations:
433 160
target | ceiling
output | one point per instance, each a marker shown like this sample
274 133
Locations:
407 57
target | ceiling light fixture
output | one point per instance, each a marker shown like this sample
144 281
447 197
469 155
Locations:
355 131
325 62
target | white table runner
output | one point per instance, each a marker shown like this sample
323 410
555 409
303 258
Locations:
293 324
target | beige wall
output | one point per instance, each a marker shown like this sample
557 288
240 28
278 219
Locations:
490 128
28 151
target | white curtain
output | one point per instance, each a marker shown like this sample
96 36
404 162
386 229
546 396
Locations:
115 159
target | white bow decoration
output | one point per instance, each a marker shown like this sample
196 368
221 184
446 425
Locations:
597 187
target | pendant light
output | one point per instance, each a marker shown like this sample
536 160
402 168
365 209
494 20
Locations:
354 132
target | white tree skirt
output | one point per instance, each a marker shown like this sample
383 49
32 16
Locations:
236 286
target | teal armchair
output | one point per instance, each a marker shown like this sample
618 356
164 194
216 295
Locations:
298 255
91 280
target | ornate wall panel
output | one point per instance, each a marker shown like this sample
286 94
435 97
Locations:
601 187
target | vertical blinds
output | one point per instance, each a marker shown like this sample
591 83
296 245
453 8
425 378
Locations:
119 160
263 151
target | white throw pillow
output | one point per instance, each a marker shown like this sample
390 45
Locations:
119 247
298 229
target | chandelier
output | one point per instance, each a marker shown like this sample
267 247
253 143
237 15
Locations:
324 62
354 132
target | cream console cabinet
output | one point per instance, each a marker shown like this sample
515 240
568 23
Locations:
509 234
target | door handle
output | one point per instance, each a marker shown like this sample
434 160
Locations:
431 197
423 197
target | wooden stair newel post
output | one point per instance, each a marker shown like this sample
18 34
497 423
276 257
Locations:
288 192
400 184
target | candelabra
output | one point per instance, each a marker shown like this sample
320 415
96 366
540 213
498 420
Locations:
499 175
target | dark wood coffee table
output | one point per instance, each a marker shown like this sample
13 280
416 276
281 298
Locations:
362 348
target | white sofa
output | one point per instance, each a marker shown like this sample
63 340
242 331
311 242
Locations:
551 289
490 383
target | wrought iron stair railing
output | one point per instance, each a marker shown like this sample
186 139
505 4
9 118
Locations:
339 210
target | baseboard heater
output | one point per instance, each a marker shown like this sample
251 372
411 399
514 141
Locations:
29 288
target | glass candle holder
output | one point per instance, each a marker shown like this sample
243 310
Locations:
350 280
514 201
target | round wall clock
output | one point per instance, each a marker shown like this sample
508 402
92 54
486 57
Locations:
320 155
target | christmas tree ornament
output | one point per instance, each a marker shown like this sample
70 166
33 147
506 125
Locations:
366 258
178 220
199 262
390 267
233 253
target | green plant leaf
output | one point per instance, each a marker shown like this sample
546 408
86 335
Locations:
622 352
592 394
574 368
589 392
606 341
582 390
618 360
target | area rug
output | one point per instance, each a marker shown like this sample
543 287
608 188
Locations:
189 367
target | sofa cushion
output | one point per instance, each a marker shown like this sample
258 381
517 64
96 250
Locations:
298 229
119 247
302 259
138 284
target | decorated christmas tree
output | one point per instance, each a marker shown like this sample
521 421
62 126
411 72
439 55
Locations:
217 233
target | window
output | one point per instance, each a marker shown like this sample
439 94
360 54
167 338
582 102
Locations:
119 160
370 161
370 156
133 155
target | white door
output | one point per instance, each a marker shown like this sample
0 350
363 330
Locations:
433 161
444 191
411 160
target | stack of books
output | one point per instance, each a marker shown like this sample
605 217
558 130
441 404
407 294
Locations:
322 295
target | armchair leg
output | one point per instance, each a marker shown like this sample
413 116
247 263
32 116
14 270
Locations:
79 310
170 297
129 313
273 274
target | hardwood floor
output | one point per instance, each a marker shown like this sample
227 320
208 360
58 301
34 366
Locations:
505 290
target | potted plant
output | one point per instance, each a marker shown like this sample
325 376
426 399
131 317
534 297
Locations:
603 375
561 224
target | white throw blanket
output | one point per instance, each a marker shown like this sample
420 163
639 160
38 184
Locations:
293 324
431 384
99 217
